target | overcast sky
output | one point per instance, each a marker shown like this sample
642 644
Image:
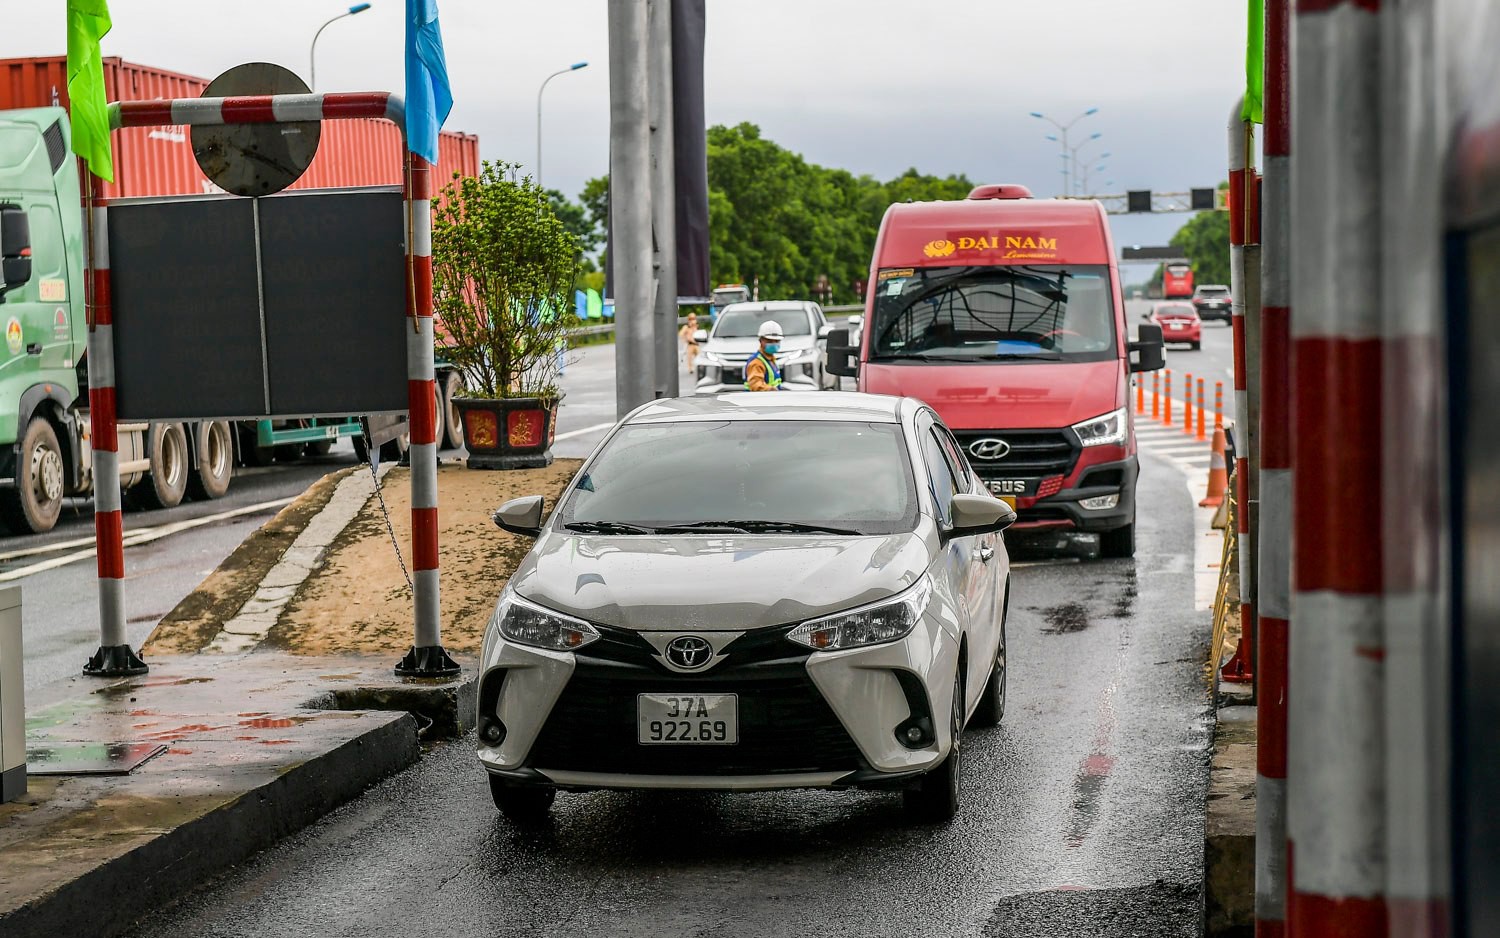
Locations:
872 86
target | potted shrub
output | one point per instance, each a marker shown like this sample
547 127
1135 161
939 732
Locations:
503 267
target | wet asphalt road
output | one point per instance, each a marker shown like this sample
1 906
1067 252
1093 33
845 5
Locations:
1083 812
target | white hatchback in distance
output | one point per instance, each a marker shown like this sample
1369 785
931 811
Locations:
712 605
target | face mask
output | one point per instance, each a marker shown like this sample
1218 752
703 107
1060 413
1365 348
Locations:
773 347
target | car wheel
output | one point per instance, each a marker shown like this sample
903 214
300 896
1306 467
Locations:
935 797
991 709
35 501
522 804
1118 543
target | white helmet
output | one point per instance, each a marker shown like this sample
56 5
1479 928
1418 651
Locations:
770 329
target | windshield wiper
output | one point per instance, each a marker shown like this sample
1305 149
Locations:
757 526
927 357
606 527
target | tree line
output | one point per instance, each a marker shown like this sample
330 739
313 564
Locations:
775 219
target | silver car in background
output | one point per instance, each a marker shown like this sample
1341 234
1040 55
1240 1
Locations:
732 342
712 605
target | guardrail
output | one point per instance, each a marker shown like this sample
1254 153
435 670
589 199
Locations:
607 328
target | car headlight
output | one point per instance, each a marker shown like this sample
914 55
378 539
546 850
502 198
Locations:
1108 428
713 357
885 621
527 624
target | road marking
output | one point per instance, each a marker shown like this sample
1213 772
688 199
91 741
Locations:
132 539
586 430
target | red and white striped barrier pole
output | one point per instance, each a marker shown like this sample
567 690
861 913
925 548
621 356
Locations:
114 657
1273 597
427 656
1241 668
1336 736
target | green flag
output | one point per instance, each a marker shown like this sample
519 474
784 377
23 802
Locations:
1255 64
88 21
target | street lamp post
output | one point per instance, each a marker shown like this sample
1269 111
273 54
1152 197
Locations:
1063 130
562 71
1073 158
312 52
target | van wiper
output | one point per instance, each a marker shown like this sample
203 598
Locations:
927 357
759 526
606 527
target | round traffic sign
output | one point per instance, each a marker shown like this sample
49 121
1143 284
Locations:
255 159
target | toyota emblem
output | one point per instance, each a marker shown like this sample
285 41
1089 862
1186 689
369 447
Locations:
989 449
690 653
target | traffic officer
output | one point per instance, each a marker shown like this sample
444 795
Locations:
762 372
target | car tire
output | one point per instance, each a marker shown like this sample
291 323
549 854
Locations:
526 804
1119 543
934 799
35 501
991 709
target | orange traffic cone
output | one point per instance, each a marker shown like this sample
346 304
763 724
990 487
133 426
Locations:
1218 474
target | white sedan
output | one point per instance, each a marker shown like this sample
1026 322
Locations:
712 605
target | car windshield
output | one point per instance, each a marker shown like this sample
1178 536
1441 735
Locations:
851 476
1020 314
743 323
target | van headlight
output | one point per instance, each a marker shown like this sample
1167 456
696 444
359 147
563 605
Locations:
527 624
1109 428
885 621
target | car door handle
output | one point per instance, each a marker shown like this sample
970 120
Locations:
985 553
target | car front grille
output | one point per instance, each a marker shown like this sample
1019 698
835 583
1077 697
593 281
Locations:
1033 453
785 725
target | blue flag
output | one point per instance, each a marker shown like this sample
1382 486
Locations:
428 97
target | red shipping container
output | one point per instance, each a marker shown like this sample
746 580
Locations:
159 160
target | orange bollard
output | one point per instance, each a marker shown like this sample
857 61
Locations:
1218 405
1155 395
1140 395
1166 405
1201 435
1187 404
1218 473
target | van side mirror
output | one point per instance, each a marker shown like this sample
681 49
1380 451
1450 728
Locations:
1148 348
15 247
843 358
978 514
520 516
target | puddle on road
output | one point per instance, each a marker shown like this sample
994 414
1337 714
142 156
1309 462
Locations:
1066 618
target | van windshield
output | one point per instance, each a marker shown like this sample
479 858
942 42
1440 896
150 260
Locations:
1003 314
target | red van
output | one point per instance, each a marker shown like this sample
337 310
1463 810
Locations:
1004 313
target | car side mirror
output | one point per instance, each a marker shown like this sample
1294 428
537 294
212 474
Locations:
843 358
520 516
1148 348
978 514
700 336
824 330
855 322
15 247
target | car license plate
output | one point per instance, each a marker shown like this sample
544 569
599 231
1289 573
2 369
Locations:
690 719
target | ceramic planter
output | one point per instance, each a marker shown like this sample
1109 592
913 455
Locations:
509 433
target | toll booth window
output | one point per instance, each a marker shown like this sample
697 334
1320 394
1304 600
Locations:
1006 314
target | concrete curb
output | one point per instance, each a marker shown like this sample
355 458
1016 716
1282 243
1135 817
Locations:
112 896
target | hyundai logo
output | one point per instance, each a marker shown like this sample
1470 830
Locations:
989 448
690 653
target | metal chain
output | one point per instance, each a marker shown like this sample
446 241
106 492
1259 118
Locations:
385 512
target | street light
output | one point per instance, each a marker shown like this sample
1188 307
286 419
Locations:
312 53
1063 129
562 71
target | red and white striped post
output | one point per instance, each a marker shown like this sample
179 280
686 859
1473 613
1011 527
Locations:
1336 735
1273 596
1241 668
115 658
427 656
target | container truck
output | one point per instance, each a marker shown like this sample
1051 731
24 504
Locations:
44 450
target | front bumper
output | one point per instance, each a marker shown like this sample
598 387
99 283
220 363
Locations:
716 378
1063 511
806 720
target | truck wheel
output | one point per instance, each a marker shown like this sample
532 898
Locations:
453 431
215 462
168 482
1118 543
35 501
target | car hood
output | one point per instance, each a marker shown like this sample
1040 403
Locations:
1032 395
745 347
716 582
